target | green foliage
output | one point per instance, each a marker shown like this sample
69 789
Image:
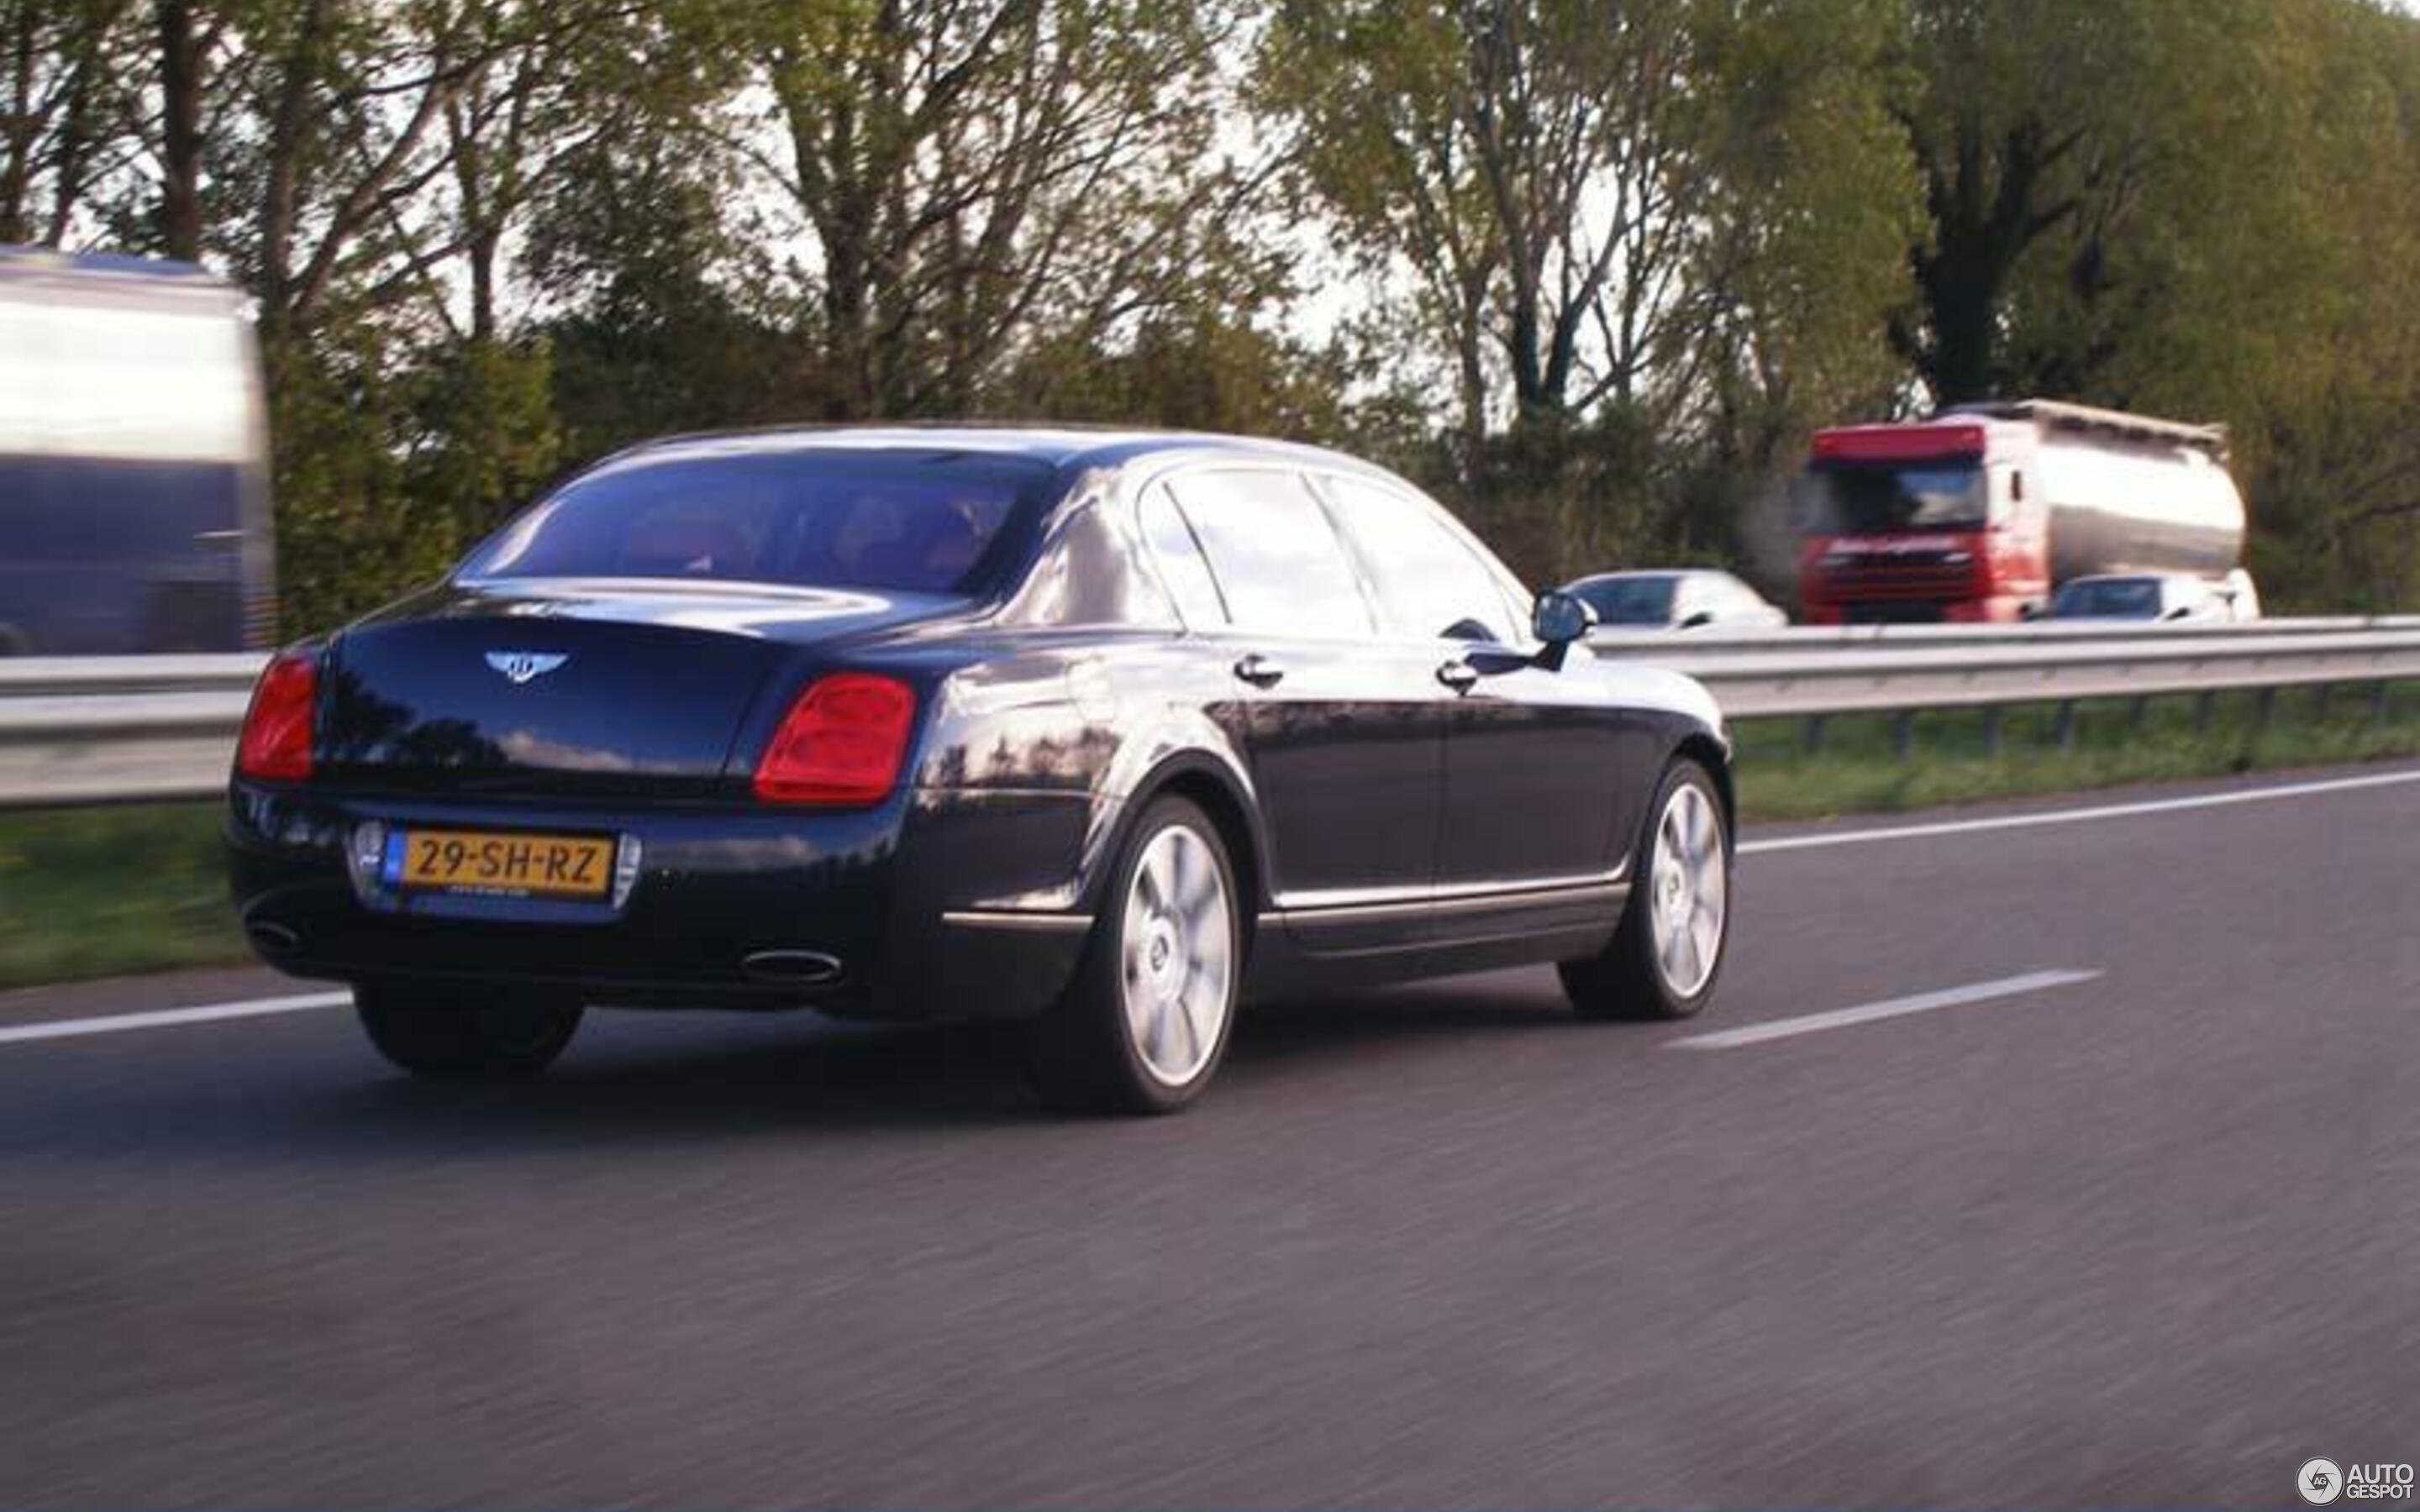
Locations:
1591 269
99 892
1858 769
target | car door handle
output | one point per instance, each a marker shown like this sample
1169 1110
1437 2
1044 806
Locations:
1259 671
1459 676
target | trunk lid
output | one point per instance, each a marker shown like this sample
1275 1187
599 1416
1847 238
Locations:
569 689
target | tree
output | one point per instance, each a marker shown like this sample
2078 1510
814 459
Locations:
2062 143
65 103
1570 184
971 173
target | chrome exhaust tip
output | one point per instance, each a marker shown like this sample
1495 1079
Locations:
793 968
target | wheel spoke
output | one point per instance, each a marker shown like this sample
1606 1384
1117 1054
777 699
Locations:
1151 880
1201 1011
1174 1020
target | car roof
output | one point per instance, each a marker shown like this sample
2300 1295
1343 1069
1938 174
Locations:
1065 446
2135 577
1671 575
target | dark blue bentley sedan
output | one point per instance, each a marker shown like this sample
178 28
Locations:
1098 730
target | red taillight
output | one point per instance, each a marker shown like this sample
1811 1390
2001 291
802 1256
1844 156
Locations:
276 744
842 744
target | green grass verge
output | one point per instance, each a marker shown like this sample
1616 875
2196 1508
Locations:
100 893
1858 769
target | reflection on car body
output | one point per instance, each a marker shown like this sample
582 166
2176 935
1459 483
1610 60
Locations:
1094 729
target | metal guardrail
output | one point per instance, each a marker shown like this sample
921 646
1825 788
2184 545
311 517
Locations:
1811 683
1691 646
102 729
114 729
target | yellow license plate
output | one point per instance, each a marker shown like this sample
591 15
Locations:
458 861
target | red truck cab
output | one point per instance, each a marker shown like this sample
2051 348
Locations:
1920 523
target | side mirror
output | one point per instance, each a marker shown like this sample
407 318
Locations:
1559 620
2034 612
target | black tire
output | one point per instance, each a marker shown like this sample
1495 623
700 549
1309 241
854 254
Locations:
1084 1054
465 1034
1629 979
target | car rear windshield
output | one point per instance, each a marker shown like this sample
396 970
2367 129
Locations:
1630 600
924 522
2108 599
1883 500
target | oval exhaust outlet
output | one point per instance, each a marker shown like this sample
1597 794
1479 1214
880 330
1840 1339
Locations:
794 968
270 935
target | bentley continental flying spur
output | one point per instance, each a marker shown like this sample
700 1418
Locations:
1101 732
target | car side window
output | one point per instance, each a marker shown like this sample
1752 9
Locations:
1091 573
1179 556
1275 558
1430 584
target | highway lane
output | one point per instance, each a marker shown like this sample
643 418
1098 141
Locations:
2144 1238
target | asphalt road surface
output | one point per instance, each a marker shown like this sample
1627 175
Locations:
2145 1231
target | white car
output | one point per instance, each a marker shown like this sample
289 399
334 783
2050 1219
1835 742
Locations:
1690 599
2158 598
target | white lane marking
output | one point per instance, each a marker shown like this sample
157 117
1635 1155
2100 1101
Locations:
163 1018
2077 816
1894 1008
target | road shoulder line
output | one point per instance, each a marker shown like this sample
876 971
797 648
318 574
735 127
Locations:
1840 1018
169 1017
2077 816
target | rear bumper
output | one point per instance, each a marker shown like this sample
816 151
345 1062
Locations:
905 901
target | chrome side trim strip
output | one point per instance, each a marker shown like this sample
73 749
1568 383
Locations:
1013 920
1387 897
1609 893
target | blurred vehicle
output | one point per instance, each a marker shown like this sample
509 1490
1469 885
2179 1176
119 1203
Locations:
134 507
2158 598
1692 599
1979 513
1089 729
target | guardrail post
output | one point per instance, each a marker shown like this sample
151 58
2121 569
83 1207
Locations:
2203 704
2319 699
2066 724
2377 692
1904 734
2262 707
1815 723
1992 730
2134 713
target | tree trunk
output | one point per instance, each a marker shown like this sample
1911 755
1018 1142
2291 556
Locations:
180 132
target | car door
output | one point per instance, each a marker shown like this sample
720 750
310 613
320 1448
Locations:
1536 760
1346 734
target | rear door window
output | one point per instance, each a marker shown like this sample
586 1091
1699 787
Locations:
1180 560
1278 563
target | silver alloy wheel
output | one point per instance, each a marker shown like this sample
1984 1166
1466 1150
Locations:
1178 951
1689 891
